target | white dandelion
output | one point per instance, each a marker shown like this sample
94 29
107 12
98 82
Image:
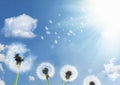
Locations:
45 71
45 75
2 47
91 80
68 73
15 60
10 61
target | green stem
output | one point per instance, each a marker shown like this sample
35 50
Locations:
16 80
48 82
64 83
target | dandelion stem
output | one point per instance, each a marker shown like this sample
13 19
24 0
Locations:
64 83
48 82
16 80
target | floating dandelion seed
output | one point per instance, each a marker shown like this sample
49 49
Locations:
68 73
92 80
45 71
50 21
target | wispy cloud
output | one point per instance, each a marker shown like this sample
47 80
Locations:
2 47
21 26
2 58
31 78
1 68
2 82
112 70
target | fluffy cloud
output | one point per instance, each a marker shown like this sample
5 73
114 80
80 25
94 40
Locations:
31 78
2 47
21 26
2 82
2 58
112 70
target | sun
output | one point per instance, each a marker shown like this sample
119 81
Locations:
107 13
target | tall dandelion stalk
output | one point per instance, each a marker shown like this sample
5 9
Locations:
48 81
64 83
15 60
16 80
19 60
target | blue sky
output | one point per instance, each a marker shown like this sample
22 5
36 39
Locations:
61 32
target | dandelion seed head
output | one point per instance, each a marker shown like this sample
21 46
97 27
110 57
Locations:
91 83
10 60
68 73
45 69
92 80
25 66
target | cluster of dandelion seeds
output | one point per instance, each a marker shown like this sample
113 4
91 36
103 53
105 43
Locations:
68 73
49 68
14 49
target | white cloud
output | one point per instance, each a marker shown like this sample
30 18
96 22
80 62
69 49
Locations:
2 47
2 82
1 68
2 58
112 70
21 26
31 78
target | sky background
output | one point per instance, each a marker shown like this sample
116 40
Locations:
63 32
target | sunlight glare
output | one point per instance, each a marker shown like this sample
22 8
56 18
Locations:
106 12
